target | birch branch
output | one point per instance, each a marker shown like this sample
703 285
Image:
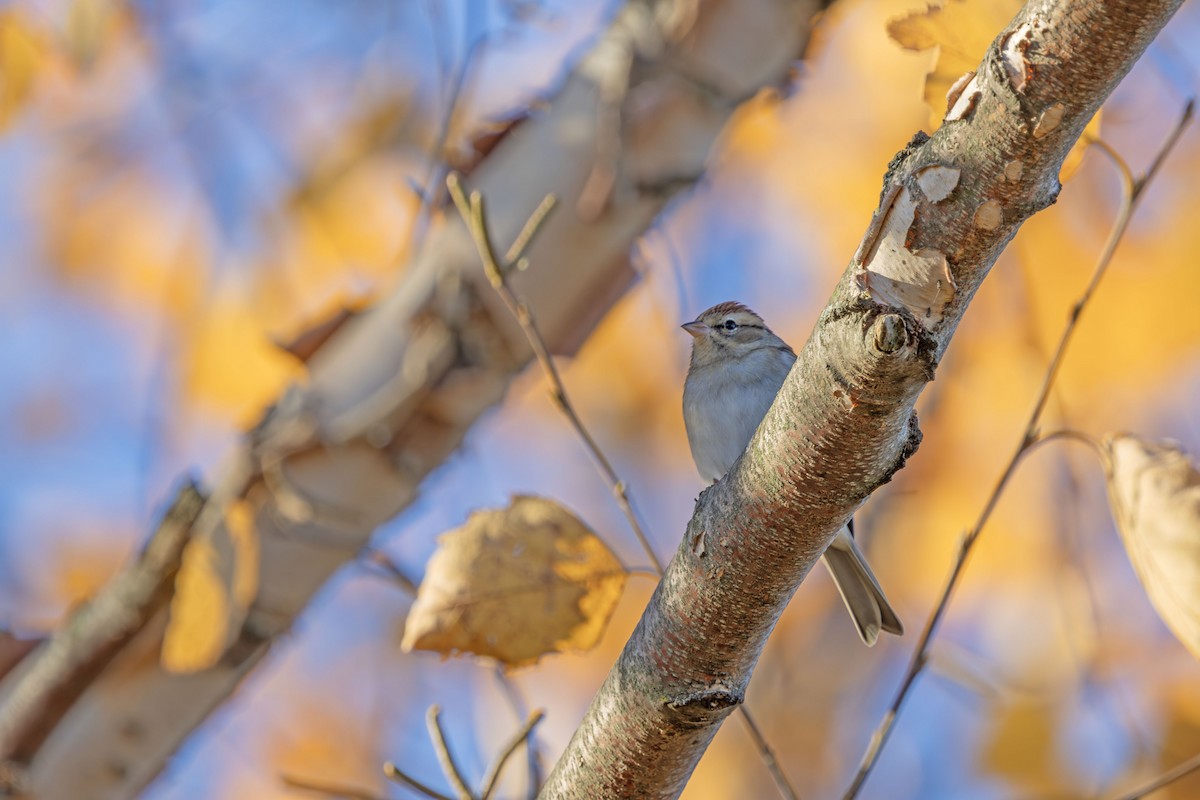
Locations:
1132 192
393 391
843 422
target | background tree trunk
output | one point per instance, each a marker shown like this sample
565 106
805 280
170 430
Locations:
392 393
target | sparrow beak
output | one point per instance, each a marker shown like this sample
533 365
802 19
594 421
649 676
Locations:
696 328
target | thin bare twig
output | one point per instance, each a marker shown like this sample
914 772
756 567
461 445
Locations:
474 215
445 757
1170 776
767 753
396 775
1075 555
1073 551
383 562
1134 190
1068 434
330 789
493 774
520 705
431 186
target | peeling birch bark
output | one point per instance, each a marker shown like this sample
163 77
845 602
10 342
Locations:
394 390
843 423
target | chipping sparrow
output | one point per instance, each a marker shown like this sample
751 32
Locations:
737 367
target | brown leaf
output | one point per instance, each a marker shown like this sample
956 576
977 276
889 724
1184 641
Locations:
515 584
1154 491
217 582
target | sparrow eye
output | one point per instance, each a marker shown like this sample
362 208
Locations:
730 325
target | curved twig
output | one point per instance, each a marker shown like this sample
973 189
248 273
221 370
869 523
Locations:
396 775
493 774
330 789
1170 776
474 215
1134 190
445 757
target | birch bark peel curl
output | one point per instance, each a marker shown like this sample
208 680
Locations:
894 274
1154 491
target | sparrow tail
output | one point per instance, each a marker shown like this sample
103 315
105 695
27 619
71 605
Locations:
860 591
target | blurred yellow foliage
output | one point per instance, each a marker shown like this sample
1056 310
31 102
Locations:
818 160
347 233
131 242
217 582
232 367
319 742
81 569
1022 747
755 126
22 56
115 228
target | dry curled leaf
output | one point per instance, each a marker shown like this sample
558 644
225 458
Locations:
959 32
217 582
1154 491
514 584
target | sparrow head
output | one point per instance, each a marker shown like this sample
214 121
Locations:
729 331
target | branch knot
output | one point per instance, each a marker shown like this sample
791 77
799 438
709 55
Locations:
698 706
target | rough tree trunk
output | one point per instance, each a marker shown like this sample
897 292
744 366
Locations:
93 714
844 422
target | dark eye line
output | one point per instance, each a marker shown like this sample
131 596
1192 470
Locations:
724 328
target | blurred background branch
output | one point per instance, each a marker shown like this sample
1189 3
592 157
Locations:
392 392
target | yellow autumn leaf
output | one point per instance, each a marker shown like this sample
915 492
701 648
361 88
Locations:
959 32
514 584
130 247
1019 745
217 582
345 230
22 55
1154 492
230 363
